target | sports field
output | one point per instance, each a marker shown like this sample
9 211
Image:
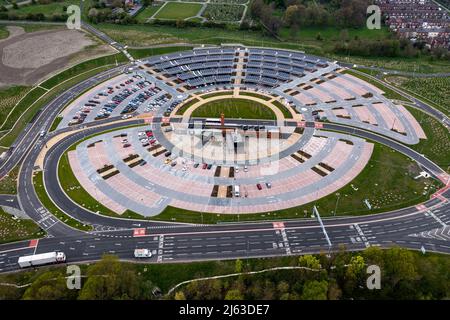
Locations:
175 11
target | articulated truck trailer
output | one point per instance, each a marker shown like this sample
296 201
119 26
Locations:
42 259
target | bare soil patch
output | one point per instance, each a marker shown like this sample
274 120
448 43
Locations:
28 57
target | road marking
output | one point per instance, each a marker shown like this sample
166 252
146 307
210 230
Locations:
33 243
139 232
436 218
361 234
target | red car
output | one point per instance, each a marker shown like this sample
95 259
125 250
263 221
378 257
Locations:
204 166
259 186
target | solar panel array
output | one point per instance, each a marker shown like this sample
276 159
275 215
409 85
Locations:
267 67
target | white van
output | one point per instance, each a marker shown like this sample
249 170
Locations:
142 253
237 193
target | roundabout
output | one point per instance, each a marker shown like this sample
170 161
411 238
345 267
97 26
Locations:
173 140
223 135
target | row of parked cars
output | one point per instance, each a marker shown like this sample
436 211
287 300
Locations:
116 100
170 108
147 138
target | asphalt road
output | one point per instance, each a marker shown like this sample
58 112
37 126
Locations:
182 242
45 118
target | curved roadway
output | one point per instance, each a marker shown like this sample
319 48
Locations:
415 227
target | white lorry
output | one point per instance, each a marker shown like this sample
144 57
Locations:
41 259
142 253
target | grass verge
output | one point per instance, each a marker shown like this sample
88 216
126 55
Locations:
147 52
12 229
55 123
52 208
437 145
8 185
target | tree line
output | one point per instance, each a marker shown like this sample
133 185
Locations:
342 275
300 13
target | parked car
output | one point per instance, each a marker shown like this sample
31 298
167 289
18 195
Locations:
259 186
268 185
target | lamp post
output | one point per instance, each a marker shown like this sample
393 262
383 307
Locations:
337 200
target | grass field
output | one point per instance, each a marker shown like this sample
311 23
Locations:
437 145
46 9
143 53
143 16
17 229
234 108
175 11
51 207
8 99
435 91
8 185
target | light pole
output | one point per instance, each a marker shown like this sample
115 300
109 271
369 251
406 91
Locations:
337 200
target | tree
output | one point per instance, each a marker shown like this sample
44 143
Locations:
234 294
110 279
256 8
309 261
315 290
399 265
356 267
50 285
179 295
238 266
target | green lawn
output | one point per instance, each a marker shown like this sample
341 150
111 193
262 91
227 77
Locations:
46 9
3 32
437 145
435 91
143 16
55 123
143 53
18 229
175 11
234 108
52 208
8 185
8 99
